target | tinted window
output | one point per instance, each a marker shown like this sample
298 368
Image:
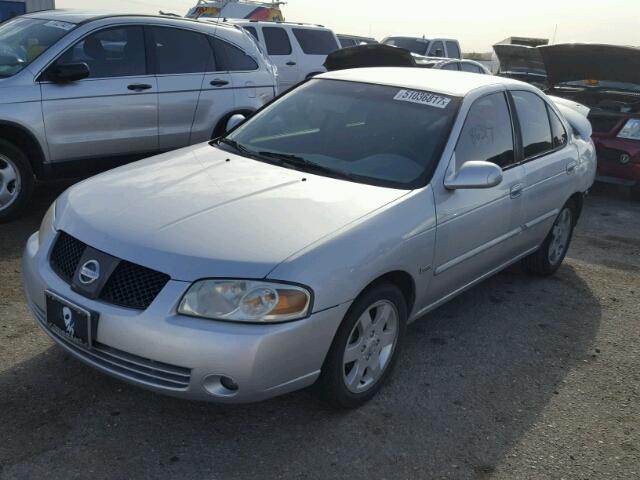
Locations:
487 133
253 32
534 123
415 45
470 67
315 42
436 49
277 41
114 52
558 132
344 126
451 66
347 42
231 58
180 51
452 50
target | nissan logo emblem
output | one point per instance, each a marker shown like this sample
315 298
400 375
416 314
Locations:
89 272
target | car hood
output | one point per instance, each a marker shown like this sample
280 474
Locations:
571 62
519 59
202 212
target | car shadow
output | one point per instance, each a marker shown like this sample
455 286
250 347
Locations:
473 377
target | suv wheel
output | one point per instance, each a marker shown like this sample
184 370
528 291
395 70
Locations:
365 348
548 258
16 181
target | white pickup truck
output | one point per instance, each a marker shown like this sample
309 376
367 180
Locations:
435 47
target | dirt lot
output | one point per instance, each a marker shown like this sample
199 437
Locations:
520 378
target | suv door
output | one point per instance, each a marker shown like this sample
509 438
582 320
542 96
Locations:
112 113
476 229
278 44
179 58
550 162
314 44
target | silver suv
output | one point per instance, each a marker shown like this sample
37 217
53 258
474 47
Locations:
82 92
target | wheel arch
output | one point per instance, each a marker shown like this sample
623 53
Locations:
401 279
26 141
578 200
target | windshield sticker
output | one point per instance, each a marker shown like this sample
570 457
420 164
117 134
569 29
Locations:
422 98
57 24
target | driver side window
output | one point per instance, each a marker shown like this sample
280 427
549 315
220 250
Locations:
113 52
487 133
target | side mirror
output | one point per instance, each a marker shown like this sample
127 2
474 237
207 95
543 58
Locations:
69 72
234 121
475 174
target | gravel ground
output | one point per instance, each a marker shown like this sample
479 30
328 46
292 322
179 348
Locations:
519 378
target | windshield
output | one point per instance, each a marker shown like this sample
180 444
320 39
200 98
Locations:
22 40
366 133
414 45
601 85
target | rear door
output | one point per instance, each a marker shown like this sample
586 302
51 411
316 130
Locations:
179 59
477 229
112 113
314 44
280 50
550 162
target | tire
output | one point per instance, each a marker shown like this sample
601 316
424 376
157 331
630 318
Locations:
349 385
548 258
16 181
635 193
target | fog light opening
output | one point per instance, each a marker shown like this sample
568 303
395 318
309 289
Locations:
220 386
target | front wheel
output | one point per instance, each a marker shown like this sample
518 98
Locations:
16 181
548 258
365 348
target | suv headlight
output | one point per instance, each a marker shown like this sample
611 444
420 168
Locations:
246 301
631 129
47 224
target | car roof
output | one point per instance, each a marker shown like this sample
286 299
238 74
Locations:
458 84
248 22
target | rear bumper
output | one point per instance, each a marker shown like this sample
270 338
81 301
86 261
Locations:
159 350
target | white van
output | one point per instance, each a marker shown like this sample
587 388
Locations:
299 50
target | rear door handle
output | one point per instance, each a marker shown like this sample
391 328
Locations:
516 190
291 64
571 167
218 83
139 87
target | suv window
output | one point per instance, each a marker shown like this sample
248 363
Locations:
347 42
534 123
316 42
436 49
180 51
113 52
452 50
470 67
558 132
230 58
277 41
487 134
414 45
253 32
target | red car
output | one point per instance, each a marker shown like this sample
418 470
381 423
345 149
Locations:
605 78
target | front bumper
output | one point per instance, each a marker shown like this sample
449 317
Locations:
176 355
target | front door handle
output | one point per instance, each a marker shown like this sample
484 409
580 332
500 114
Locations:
516 190
139 87
218 83
291 64
571 167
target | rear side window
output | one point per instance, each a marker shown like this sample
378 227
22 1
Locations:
487 134
559 135
347 42
451 66
277 41
253 32
180 51
315 42
230 58
470 67
113 52
534 123
453 51
436 49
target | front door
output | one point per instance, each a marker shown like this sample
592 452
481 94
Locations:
476 229
112 113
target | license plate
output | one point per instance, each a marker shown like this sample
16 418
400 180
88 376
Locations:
71 321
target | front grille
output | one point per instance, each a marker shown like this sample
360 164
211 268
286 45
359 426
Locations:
133 286
603 124
130 285
66 255
126 365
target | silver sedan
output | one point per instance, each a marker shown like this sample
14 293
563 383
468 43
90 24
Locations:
295 250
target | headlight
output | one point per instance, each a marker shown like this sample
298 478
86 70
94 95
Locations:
631 129
245 301
47 224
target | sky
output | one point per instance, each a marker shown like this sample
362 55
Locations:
476 24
